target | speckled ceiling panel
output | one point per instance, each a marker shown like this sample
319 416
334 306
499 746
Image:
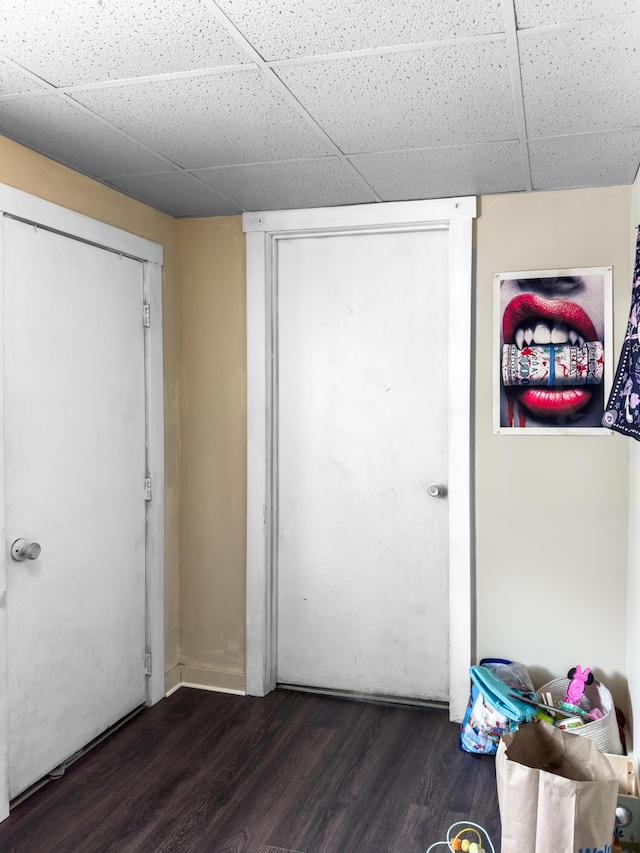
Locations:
538 13
280 29
581 79
438 172
589 160
298 183
445 95
236 117
81 41
12 81
176 193
63 132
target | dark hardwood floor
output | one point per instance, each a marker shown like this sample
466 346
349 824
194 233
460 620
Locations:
211 772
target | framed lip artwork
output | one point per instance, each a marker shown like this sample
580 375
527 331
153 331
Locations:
552 367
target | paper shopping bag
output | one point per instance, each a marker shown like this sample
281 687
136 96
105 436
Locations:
557 793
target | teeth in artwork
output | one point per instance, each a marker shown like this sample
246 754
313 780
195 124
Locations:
542 334
559 335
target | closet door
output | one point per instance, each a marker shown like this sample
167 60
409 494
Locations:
361 430
75 474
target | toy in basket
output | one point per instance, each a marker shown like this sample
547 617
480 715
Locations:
579 679
583 695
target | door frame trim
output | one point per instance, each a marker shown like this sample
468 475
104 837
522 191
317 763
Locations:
36 211
263 232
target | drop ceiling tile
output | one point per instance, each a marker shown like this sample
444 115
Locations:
582 79
59 130
81 41
443 172
280 29
445 95
586 160
177 193
212 120
13 82
540 13
299 183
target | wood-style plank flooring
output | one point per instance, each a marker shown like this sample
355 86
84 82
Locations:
204 771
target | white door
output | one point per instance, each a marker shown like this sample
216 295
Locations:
362 547
75 469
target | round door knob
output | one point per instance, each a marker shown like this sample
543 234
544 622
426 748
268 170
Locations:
23 550
437 490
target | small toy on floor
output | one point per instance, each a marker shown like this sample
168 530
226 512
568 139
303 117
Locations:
461 841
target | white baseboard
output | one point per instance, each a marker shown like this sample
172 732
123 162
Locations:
172 680
204 679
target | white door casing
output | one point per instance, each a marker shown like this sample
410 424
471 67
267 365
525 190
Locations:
264 233
148 257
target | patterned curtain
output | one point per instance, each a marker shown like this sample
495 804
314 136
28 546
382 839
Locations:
622 412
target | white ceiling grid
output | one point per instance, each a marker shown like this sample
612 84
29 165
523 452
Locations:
204 108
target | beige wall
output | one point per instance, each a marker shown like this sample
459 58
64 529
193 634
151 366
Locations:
30 172
551 511
213 291
550 590
551 583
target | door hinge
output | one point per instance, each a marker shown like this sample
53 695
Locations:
147 489
147 663
146 315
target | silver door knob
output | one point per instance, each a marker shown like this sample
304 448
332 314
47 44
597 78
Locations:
23 550
437 490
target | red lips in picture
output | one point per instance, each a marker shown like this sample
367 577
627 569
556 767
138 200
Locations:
530 319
